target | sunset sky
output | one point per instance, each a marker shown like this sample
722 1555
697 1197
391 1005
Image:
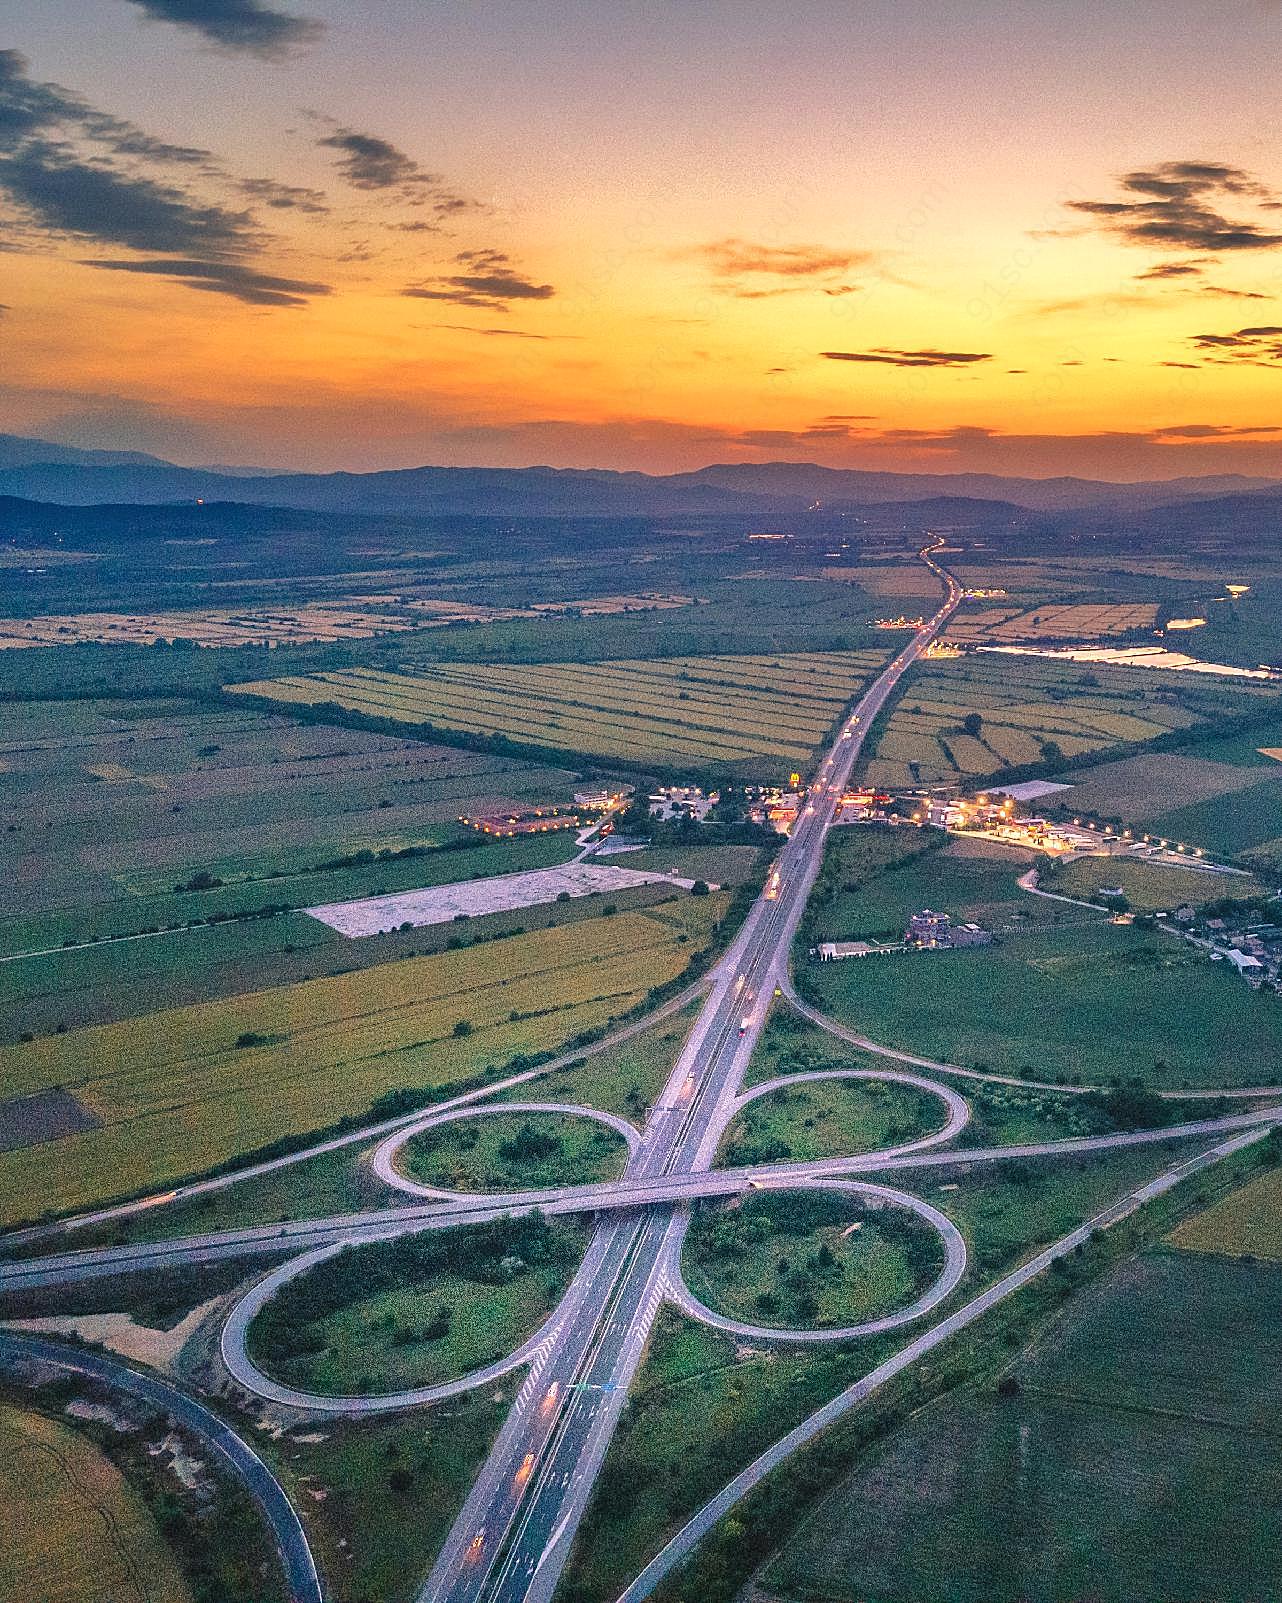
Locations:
1026 237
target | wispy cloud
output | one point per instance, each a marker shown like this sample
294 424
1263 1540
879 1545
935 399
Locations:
238 25
924 358
370 163
752 271
1183 204
72 173
1258 346
490 280
223 278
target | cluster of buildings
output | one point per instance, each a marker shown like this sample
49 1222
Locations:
677 802
931 931
927 931
774 807
537 821
1251 947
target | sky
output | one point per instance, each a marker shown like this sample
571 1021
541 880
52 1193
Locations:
1015 236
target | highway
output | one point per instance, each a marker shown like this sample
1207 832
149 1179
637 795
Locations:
278 1512
514 1534
634 1192
678 1549
515 1531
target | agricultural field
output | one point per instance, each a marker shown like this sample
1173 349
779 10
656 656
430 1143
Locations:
752 714
1091 1471
73 1521
801 1260
1245 1224
1033 711
1087 1003
178 1091
1069 621
1148 887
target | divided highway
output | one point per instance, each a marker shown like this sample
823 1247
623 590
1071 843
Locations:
513 1536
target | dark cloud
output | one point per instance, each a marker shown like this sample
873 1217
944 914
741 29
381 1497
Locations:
73 172
367 162
282 197
926 358
758 272
375 165
69 195
32 109
234 279
1189 269
1181 204
243 25
1257 346
490 280
1213 431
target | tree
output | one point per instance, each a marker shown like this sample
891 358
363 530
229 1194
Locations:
699 888
463 1027
972 724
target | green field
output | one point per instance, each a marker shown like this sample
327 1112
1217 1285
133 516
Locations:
1101 1472
415 1311
828 1119
757 713
808 1259
392 1487
179 1091
514 1152
1089 1004
1034 710
1148 887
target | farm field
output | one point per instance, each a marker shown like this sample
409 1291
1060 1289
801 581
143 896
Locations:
865 897
103 801
1148 887
1246 1223
1101 1475
73 1520
1068 621
178 1091
1091 1003
1032 711
756 714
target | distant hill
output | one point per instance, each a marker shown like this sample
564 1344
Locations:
38 471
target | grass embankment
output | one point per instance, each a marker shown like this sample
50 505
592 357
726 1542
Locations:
391 1489
181 1091
415 1311
514 1152
802 1260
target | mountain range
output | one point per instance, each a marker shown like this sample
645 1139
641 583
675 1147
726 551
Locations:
38 470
